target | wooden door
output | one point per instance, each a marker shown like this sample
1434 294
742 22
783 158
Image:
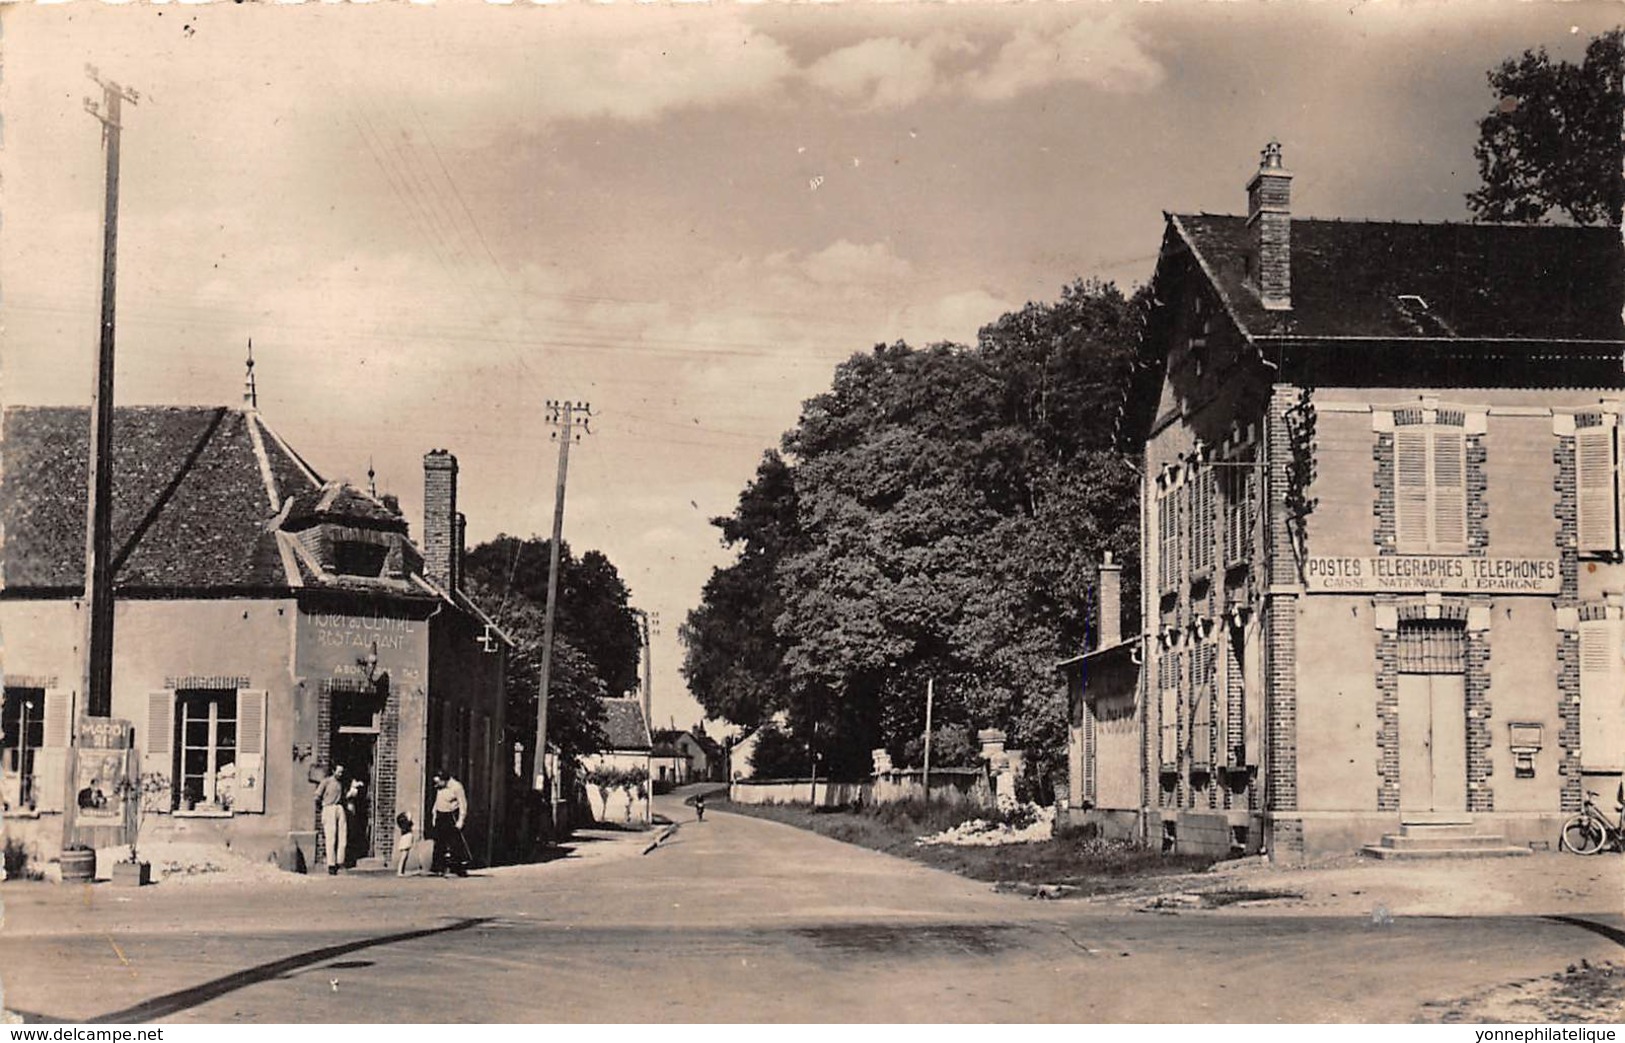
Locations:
1432 743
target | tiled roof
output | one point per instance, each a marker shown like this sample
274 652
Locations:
1390 280
197 495
624 727
337 502
190 504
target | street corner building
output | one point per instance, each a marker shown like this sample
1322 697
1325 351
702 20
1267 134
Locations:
267 623
1383 596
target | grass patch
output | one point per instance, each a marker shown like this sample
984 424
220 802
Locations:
1074 859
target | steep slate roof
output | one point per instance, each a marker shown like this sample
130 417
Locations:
198 494
190 503
1478 281
624 727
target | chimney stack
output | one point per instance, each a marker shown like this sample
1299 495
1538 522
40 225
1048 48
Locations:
440 529
1269 223
1110 623
460 551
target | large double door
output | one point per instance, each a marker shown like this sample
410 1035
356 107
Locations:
1432 743
1432 719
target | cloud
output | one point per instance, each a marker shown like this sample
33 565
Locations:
642 77
1102 53
886 72
844 263
955 317
891 73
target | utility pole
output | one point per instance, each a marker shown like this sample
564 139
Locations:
566 418
930 692
98 675
650 623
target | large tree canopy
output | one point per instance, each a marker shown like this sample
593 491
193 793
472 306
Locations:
1552 142
937 516
596 646
594 613
733 659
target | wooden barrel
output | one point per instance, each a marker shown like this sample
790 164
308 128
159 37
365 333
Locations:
78 866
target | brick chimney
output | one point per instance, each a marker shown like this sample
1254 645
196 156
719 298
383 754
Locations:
1110 623
459 551
1269 224
440 529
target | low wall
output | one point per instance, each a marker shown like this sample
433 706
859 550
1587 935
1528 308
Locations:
949 785
793 791
1112 824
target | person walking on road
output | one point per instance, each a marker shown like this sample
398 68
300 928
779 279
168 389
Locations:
330 806
450 812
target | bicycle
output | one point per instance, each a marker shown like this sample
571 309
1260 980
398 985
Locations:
1591 831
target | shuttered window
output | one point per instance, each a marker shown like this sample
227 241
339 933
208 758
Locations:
250 782
1168 540
1602 695
51 761
1201 732
1430 489
1170 729
1596 498
1239 494
1204 495
22 739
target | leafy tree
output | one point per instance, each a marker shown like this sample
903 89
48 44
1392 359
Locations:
594 613
1553 140
937 515
952 746
780 755
575 708
733 660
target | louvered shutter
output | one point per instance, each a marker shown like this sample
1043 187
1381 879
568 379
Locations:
1201 732
1411 487
1449 490
1602 696
1170 728
1594 489
156 745
1252 683
51 759
250 751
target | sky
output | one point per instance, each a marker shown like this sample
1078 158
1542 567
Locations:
432 219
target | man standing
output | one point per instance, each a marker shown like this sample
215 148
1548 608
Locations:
330 805
450 811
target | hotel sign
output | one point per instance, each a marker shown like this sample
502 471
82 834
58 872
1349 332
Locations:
1421 573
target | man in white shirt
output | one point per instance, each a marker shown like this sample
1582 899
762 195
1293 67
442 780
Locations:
450 812
335 829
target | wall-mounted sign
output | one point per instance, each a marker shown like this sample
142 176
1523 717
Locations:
1421 573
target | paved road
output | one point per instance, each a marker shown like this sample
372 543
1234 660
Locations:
733 919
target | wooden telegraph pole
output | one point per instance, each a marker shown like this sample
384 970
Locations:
930 693
568 419
98 680
649 622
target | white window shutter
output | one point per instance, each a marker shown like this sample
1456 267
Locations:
157 744
250 750
1411 487
1602 696
1252 683
1170 727
1449 490
51 759
1594 490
